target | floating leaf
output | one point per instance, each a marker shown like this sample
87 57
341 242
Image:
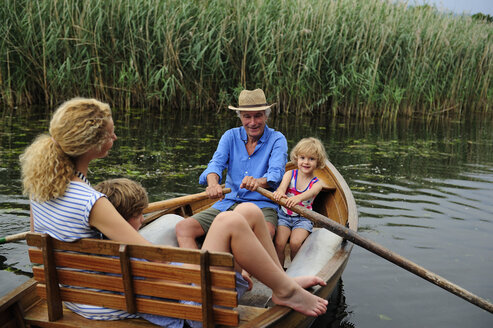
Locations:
384 317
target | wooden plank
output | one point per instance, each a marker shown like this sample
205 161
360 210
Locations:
151 253
38 317
187 274
205 282
154 288
8 318
247 313
127 280
159 307
17 295
55 310
327 180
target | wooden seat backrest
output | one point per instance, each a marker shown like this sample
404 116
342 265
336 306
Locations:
135 278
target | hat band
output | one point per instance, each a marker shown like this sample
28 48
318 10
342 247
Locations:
253 106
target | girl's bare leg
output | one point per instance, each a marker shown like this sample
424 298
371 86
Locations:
298 236
282 237
230 232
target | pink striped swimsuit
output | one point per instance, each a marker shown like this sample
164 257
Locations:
292 191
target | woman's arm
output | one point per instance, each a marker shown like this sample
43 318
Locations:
110 223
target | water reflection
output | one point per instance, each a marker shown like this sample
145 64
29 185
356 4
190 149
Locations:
337 311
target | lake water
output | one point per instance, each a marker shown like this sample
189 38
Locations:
424 189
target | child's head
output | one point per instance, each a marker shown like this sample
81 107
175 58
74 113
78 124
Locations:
128 197
310 147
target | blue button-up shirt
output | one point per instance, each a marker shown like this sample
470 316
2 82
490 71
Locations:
267 161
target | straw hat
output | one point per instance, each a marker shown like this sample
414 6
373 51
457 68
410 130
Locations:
252 100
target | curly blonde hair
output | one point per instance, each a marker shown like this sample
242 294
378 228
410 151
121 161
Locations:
76 127
309 147
127 196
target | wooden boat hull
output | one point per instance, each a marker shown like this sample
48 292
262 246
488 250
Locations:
335 201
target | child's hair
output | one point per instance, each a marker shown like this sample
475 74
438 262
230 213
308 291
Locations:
127 196
310 147
47 165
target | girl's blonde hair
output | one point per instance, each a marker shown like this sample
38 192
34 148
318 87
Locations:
310 147
127 196
47 165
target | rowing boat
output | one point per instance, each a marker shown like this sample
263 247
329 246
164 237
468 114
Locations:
323 254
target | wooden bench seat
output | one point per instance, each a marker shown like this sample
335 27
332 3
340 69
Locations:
132 278
38 316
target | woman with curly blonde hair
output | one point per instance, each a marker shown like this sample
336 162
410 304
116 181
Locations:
63 203
65 206
77 126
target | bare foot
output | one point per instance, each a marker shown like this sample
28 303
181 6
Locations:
309 281
302 301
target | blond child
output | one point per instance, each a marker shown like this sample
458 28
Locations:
128 197
300 186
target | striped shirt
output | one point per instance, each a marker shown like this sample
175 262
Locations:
66 218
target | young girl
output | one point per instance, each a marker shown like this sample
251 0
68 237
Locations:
65 206
299 186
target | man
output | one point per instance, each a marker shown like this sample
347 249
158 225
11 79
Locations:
254 156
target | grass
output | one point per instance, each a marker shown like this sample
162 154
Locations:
344 57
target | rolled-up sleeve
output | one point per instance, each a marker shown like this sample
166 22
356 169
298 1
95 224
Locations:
219 160
277 161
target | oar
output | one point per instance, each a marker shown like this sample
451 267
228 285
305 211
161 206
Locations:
173 203
16 237
383 252
178 201
152 207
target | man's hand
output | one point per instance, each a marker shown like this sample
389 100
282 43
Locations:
250 183
215 191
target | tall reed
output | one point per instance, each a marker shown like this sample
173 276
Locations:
349 57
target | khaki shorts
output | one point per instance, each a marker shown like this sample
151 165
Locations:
206 217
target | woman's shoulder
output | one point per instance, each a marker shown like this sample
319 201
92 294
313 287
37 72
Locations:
82 190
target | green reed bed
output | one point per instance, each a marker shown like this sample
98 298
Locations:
349 57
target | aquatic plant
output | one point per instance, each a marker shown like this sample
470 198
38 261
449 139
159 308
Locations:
347 57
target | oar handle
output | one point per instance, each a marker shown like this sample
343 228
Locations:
383 252
16 237
179 201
